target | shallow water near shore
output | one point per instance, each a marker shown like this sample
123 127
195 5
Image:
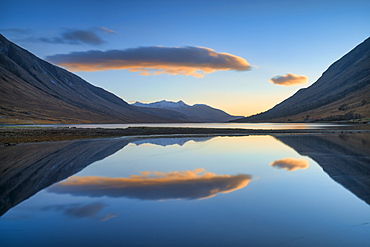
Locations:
282 190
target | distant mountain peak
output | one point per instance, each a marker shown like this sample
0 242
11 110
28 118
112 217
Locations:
182 103
197 112
162 104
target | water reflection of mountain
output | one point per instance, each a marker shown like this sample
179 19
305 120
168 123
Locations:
27 169
163 141
345 158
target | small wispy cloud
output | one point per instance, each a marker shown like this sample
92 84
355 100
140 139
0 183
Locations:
75 37
289 79
153 60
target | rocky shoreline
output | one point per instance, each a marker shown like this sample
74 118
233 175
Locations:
11 136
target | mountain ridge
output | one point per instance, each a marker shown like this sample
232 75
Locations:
196 112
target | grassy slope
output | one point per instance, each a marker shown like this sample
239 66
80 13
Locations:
357 103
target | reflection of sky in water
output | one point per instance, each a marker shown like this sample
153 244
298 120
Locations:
276 208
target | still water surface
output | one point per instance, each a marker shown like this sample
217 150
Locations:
287 190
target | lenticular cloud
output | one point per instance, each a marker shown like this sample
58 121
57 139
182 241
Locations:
153 60
289 79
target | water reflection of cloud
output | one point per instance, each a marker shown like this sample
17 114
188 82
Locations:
81 210
290 164
196 184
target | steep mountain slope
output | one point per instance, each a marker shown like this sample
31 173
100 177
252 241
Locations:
35 91
342 92
196 113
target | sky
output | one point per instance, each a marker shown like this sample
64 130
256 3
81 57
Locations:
243 57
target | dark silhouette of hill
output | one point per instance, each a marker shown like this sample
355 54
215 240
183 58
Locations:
344 157
35 91
341 93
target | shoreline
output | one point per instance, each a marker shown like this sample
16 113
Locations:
12 136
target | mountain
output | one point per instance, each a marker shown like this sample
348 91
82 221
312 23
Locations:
35 91
345 158
341 93
196 113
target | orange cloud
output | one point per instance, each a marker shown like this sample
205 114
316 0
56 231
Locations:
290 164
289 79
196 184
153 60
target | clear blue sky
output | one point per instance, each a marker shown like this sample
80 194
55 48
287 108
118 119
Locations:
274 37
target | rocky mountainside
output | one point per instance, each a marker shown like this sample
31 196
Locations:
195 113
341 93
35 91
